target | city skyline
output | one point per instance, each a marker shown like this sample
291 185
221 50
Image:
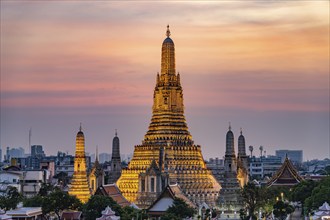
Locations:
263 66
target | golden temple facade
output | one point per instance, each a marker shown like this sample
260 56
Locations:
169 143
79 184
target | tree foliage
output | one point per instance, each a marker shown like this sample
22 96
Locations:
303 190
96 204
128 213
263 198
253 197
57 201
319 195
10 199
54 202
179 210
282 209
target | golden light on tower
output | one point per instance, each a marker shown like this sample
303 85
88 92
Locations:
168 130
79 184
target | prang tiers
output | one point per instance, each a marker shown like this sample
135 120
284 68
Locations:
79 184
168 142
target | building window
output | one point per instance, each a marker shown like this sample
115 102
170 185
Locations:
143 185
165 101
152 183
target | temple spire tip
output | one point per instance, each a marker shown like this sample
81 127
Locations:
168 33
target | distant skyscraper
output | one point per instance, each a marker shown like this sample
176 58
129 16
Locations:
37 150
79 185
103 157
168 145
296 156
15 153
115 171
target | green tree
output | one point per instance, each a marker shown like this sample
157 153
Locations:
46 189
303 190
253 198
96 204
57 201
62 178
10 199
319 195
282 209
270 196
180 209
35 201
53 201
129 213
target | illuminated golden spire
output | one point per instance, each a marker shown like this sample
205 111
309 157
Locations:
79 184
168 56
169 140
168 122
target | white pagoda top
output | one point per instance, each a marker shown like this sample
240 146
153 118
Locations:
108 214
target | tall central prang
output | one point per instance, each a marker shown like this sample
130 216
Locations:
167 154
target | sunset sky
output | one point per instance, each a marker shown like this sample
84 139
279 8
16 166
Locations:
261 65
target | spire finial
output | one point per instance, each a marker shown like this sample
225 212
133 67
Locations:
80 127
168 33
241 131
229 126
116 132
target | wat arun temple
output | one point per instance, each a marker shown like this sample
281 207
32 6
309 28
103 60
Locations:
167 154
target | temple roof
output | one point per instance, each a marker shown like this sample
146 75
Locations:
113 191
166 198
287 175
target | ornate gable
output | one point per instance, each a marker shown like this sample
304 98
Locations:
287 175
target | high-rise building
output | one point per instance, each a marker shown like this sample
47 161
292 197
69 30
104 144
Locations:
104 157
37 150
168 145
115 164
296 156
14 153
79 184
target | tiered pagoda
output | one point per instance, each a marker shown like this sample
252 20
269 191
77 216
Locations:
169 144
115 165
79 184
235 175
96 176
